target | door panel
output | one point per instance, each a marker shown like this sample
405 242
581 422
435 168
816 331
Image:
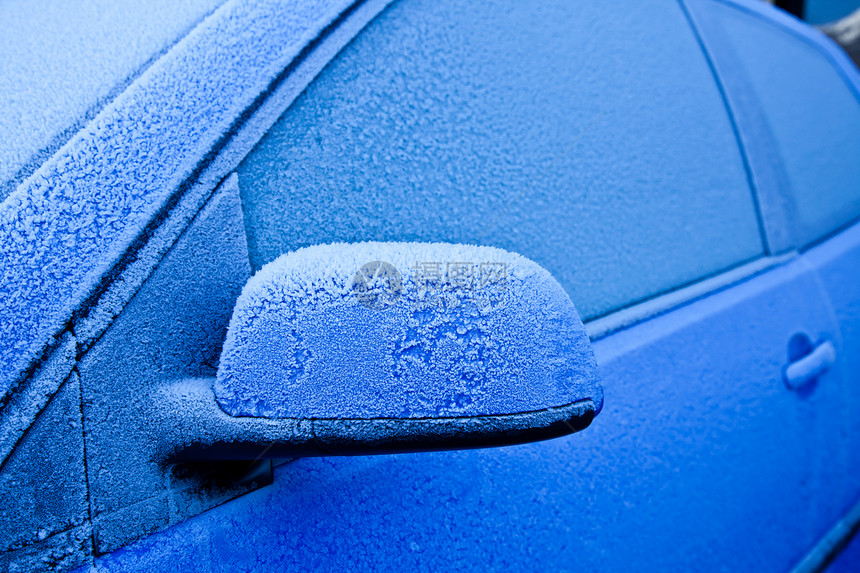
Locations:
837 262
701 457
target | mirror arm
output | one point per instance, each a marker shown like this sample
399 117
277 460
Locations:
190 426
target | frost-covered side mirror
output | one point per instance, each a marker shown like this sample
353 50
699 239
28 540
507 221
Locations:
391 347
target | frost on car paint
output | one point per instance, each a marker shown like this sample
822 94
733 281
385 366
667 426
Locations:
80 215
471 331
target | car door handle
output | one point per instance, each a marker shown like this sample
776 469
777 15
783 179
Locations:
810 367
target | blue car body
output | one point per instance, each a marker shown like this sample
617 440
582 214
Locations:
687 169
825 11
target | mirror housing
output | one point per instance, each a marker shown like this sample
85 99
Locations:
392 347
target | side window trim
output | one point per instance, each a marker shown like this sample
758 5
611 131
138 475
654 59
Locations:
805 33
768 175
768 180
604 326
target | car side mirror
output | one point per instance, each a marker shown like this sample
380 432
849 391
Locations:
349 349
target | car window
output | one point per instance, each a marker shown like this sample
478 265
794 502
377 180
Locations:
592 140
813 114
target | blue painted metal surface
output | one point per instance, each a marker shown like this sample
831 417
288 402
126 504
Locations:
701 458
836 262
826 11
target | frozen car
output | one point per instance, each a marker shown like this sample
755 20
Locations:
684 172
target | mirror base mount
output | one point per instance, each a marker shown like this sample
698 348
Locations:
192 426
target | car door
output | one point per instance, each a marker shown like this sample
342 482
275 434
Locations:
798 97
433 125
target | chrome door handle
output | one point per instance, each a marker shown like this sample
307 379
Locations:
808 368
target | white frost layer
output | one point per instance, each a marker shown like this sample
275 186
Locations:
303 342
